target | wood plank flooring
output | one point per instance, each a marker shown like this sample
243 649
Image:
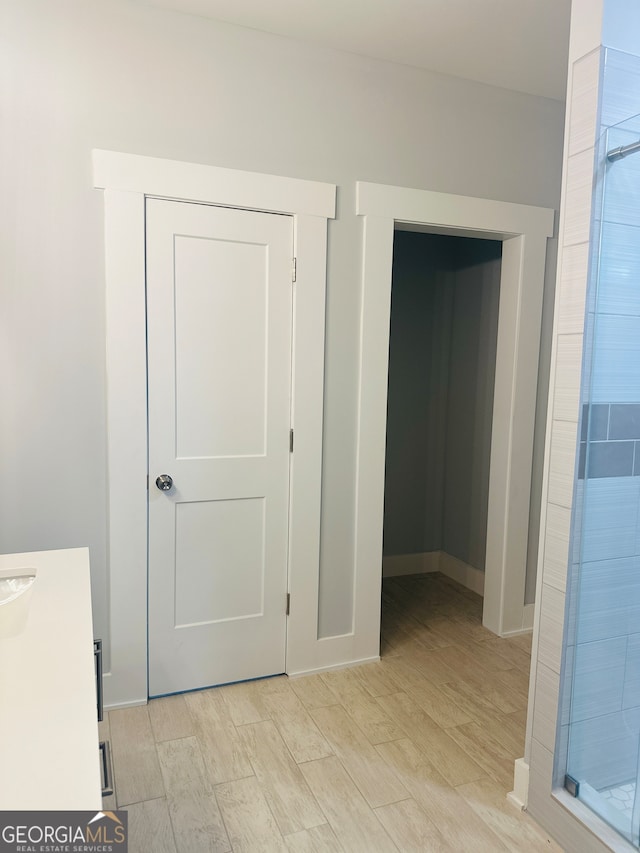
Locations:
414 753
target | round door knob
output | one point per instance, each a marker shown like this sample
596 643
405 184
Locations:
164 482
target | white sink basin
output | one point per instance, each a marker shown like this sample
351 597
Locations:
15 592
15 584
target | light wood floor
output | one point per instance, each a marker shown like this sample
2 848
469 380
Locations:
414 753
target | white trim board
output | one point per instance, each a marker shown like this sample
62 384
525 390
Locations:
524 231
528 617
127 180
520 794
196 182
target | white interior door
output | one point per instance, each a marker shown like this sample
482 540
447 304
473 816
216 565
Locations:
219 308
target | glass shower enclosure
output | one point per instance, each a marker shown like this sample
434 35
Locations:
599 731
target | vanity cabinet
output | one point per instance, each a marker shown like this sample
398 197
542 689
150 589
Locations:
48 722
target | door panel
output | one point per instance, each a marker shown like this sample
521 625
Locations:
219 297
217 326
223 533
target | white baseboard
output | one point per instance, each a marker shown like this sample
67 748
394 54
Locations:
410 564
528 611
462 572
113 706
434 561
344 665
520 794
135 703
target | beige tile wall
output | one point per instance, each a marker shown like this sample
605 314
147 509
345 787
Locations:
573 266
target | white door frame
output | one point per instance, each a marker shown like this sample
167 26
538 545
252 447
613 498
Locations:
524 231
127 180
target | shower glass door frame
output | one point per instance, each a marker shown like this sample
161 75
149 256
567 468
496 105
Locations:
599 723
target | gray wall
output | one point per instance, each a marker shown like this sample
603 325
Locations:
444 317
476 293
83 74
419 356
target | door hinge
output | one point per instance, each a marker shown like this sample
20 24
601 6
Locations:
294 269
288 604
290 441
147 482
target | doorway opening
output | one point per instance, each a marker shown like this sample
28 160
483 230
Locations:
442 360
523 231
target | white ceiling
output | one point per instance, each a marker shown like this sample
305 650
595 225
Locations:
516 44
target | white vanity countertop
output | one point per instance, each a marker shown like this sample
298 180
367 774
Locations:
49 756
